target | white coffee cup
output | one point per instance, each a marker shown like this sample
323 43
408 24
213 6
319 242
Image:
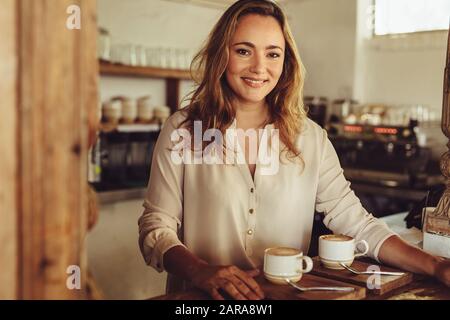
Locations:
161 113
129 110
281 263
112 111
145 109
336 249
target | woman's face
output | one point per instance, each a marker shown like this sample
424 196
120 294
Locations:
256 58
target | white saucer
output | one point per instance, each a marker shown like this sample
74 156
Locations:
282 279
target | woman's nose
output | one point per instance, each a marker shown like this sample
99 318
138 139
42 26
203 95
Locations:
257 64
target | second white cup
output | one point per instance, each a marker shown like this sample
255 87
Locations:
281 263
336 249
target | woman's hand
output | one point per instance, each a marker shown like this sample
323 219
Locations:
239 284
442 271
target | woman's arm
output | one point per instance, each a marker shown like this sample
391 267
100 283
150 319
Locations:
344 213
238 284
398 253
161 220
182 263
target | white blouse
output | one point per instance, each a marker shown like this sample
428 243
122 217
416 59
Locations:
223 216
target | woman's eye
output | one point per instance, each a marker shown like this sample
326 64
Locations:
274 55
243 52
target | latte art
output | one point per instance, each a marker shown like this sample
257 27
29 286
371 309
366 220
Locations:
336 249
282 251
334 237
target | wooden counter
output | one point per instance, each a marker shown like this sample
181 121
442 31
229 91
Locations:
420 288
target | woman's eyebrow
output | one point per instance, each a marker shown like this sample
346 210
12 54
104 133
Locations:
251 45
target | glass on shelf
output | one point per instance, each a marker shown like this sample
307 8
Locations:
119 53
183 59
158 57
169 54
159 60
165 56
187 59
152 59
141 56
124 53
104 45
115 53
131 51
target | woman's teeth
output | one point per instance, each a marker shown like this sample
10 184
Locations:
254 83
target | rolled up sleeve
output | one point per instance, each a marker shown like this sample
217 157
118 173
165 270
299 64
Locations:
160 223
343 211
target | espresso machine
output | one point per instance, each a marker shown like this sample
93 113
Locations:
391 166
385 155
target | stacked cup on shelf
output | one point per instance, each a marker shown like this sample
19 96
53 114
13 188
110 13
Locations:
129 110
112 111
161 113
145 110
125 110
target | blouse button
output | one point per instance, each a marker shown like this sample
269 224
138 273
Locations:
250 232
251 211
252 190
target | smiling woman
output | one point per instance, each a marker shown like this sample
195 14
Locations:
208 224
237 60
257 64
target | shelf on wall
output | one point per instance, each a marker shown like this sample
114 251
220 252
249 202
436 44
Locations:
115 69
171 76
135 127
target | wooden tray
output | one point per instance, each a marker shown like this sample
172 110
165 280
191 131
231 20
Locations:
387 283
286 292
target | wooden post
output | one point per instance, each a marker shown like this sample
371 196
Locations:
9 157
173 94
439 220
58 86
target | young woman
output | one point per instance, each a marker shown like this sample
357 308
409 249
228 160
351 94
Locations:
207 223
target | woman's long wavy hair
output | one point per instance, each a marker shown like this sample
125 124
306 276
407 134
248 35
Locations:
211 100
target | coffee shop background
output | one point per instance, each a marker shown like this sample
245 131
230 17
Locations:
342 62
46 224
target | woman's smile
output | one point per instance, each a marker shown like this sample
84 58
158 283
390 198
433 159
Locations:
254 83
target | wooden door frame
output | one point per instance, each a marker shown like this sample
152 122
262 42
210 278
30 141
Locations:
9 161
51 103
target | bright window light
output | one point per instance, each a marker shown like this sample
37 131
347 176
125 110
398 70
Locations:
407 16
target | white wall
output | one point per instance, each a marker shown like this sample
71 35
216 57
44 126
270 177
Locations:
332 36
153 23
325 32
398 71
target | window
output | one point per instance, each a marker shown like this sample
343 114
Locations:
408 16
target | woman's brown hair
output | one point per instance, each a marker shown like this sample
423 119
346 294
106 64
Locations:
211 100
